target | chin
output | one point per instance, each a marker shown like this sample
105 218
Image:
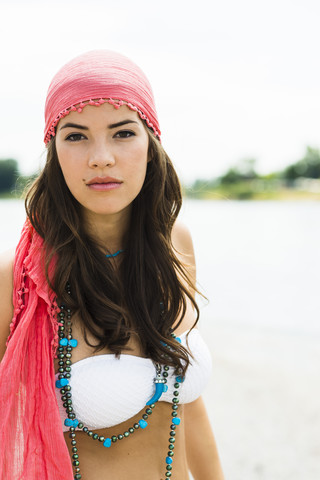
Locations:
105 210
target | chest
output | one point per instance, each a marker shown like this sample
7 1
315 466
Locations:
83 350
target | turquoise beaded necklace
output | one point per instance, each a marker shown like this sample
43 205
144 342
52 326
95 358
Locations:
112 255
66 344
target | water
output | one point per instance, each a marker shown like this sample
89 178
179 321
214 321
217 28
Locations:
12 216
258 262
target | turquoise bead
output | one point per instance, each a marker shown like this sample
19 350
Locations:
143 423
176 421
73 342
180 379
107 443
178 339
63 342
62 383
68 422
169 460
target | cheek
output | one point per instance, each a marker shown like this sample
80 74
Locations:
66 171
71 175
137 173
69 162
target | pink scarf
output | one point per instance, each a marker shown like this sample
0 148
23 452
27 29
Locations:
32 445
94 78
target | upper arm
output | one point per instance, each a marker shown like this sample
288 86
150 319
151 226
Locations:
6 305
202 453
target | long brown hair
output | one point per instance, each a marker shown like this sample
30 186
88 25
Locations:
145 294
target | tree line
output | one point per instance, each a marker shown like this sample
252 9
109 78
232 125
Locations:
242 180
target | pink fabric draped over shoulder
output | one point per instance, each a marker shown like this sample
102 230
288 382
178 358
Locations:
31 438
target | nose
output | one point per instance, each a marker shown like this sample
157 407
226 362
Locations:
101 155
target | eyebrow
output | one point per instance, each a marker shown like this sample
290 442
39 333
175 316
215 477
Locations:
119 124
82 127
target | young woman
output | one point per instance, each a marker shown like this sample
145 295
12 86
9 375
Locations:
102 369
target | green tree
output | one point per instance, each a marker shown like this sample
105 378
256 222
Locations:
307 167
242 171
8 174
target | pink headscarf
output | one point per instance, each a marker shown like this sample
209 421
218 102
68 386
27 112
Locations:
31 437
94 78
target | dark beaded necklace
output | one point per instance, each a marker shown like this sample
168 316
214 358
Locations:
66 345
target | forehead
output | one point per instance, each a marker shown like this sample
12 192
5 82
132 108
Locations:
104 114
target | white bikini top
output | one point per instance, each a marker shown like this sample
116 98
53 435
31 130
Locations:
107 390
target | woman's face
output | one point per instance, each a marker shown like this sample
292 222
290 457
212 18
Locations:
103 152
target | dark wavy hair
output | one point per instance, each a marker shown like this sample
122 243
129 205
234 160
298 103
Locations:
146 293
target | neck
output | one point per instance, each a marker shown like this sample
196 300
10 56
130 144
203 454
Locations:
108 230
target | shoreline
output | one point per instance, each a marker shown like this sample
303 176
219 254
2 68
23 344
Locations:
285 195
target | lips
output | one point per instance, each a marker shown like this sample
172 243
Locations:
103 180
102 184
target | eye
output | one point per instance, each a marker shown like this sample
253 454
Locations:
124 134
75 137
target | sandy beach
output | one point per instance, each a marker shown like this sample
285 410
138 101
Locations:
263 402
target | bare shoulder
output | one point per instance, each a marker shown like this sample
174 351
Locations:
182 242
6 270
6 306
183 246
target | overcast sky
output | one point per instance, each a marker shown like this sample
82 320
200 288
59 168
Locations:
232 79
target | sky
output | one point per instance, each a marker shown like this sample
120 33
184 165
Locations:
232 79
